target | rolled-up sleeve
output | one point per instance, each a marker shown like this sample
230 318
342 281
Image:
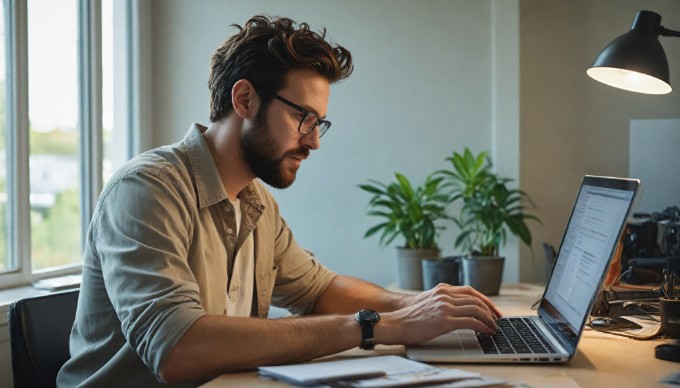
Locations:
143 254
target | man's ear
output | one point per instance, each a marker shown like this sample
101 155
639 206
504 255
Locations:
244 99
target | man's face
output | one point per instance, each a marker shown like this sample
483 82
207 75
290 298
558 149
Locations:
272 147
261 153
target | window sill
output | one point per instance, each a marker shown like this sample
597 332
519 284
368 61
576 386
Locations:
46 286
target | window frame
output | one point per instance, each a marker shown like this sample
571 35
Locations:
126 107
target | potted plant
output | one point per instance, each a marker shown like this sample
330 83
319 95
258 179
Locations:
489 211
410 213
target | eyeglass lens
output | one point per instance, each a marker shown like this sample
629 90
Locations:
310 121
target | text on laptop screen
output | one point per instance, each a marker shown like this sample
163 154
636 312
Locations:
585 251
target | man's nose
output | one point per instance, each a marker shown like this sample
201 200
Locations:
311 140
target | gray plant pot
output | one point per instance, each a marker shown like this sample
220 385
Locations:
484 273
409 268
444 270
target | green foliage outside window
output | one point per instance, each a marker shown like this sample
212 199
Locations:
55 142
55 232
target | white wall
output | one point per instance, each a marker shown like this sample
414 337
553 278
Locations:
422 88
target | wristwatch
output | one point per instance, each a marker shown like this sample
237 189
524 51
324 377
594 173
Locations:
366 319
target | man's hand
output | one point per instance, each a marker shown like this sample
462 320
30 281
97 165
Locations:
435 312
411 300
415 318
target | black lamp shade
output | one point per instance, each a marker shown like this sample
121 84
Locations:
635 61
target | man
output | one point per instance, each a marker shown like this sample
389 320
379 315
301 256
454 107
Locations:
187 250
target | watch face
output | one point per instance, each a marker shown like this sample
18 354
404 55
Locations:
369 315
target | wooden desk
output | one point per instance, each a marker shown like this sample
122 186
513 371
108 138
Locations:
602 360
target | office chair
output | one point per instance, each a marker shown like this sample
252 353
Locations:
39 337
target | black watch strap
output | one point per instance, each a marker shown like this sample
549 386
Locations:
366 319
367 337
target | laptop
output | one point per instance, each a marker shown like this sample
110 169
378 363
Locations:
594 228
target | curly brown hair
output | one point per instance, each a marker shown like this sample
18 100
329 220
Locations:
263 51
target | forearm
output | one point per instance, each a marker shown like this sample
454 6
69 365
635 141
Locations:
347 295
411 318
218 344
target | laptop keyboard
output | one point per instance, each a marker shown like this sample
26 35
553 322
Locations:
515 335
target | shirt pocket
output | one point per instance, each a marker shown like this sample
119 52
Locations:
265 288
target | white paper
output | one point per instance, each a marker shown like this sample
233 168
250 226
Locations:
403 379
397 371
320 372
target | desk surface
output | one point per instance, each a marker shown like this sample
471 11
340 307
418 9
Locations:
601 359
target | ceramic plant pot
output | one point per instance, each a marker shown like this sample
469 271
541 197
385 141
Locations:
445 270
409 268
484 273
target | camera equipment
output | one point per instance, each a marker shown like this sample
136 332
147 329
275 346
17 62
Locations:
612 303
651 243
650 250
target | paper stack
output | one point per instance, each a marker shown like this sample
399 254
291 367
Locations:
375 372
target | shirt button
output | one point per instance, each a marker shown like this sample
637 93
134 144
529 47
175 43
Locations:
230 231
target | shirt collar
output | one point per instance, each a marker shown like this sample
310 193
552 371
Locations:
208 182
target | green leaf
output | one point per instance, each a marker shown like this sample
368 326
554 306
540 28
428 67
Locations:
373 230
405 185
371 189
489 209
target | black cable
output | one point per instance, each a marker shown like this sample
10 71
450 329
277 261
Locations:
666 32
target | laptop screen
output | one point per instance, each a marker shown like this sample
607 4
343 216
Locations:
594 227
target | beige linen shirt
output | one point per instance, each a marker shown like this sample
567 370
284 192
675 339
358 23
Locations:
156 260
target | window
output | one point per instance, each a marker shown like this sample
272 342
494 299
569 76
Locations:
54 133
59 141
4 257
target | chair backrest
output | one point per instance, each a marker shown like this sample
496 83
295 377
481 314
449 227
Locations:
40 328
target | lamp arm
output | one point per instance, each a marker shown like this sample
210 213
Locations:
666 32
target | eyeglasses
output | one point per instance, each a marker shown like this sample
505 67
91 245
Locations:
309 119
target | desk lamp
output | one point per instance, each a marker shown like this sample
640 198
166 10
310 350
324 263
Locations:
636 61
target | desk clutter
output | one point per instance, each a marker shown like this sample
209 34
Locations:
644 314
375 372
642 287
651 243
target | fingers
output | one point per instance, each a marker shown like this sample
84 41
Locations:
467 290
441 310
496 311
472 324
465 308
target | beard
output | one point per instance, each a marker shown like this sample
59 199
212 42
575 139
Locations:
259 151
